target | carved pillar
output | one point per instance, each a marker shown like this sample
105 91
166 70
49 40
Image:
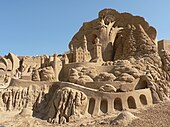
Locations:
57 67
124 103
110 106
97 106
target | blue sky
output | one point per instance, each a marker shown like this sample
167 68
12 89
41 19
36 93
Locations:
37 27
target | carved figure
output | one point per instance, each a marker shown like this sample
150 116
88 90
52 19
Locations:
47 74
35 75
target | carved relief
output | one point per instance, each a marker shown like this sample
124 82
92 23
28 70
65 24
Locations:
66 104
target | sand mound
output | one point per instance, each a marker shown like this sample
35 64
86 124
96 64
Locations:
123 119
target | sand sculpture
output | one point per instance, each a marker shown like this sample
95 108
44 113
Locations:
115 63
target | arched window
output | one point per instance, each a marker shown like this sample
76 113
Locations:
118 104
91 106
143 99
131 103
104 106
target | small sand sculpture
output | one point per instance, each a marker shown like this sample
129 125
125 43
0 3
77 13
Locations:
114 64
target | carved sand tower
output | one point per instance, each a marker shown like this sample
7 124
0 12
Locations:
97 51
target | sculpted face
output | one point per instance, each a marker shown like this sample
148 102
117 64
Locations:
4 76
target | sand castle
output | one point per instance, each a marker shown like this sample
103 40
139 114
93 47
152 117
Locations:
115 63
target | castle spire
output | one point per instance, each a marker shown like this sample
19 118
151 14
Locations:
71 47
85 43
97 51
97 41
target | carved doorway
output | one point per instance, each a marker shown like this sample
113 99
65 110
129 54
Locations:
104 106
143 99
131 103
91 106
118 104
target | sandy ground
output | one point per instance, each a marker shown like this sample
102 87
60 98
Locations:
158 116
154 116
